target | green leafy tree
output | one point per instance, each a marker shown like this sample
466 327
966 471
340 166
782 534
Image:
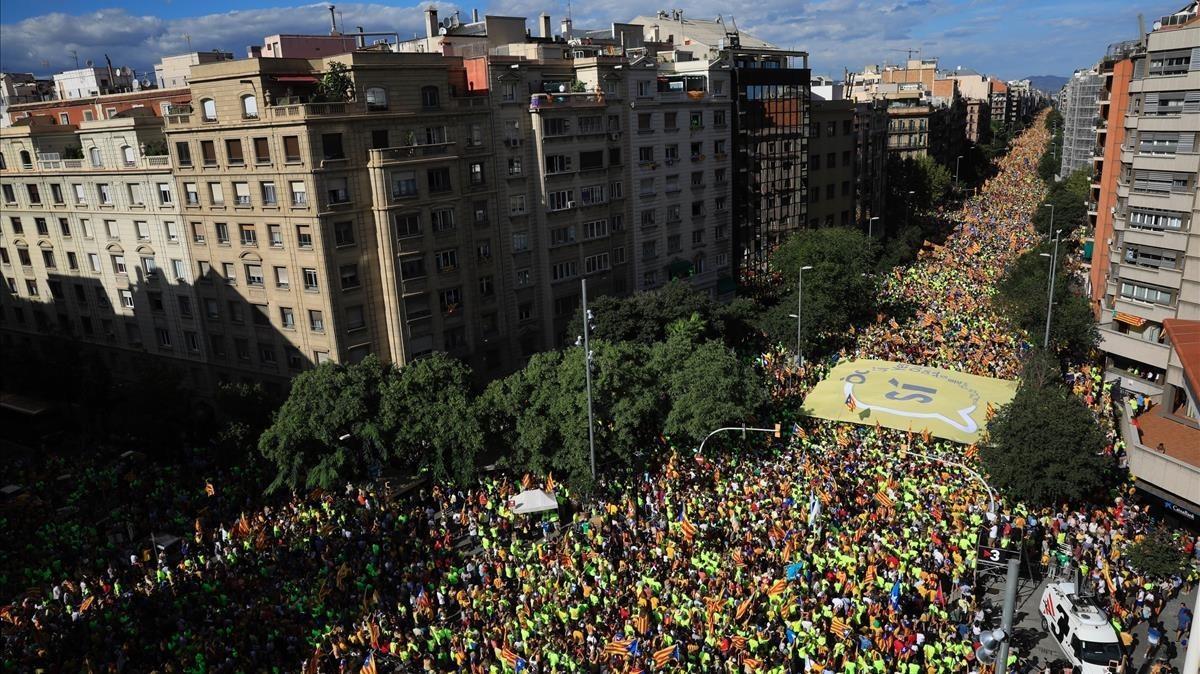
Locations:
837 294
1069 199
245 410
1021 295
335 85
431 418
1045 446
1158 554
306 440
707 384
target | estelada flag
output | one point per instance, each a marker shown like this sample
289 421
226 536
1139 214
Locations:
508 656
739 642
751 664
527 481
885 500
851 404
617 647
368 665
777 588
662 655
642 624
737 557
550 483
744 608
839 627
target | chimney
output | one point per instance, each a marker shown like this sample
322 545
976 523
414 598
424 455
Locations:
254 51
544 21
332 20
431 22
362 40
474 16
656 33
566 28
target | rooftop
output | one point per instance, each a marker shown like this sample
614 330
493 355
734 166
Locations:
1185 339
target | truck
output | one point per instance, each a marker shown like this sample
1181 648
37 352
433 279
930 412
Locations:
1081 629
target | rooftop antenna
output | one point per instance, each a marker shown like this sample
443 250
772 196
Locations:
188 37
76 55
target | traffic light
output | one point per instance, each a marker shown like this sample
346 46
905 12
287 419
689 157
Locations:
989 645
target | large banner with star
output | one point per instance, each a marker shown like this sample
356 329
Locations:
947 404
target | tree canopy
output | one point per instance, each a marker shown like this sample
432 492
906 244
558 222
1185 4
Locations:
1022 293
1045 446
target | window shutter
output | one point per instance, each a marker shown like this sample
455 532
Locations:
1187 141
1139 68
1195 64
1151 104
1191 101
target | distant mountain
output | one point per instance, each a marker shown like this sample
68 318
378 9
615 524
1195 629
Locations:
1047 83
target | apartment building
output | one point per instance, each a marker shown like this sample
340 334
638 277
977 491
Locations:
1154 273
172 72
1079 111
94 81
1112 101
832 159
17 88
770 90
92 246
76 111
1001 103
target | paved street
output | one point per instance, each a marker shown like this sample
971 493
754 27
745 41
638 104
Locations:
1032 637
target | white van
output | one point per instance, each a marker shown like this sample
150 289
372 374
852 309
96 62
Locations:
1081 629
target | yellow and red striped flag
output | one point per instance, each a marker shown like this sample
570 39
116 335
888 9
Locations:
642 624
839 627
744 608
527 481
737 557
508 656
751 664
550 483
689 529
777 588
926 435
662 655
739 642
885 500
617 647
870 577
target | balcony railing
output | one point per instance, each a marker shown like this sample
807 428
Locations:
565 100
152 162
306 110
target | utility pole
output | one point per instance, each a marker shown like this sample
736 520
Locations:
1051 228
1191 662
1050 298
799 310
1006 617
587 368
871 227
956 163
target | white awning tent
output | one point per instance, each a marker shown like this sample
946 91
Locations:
533 501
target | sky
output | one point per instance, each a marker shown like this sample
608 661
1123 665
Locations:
1008 38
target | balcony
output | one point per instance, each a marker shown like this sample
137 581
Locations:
295 111
1133 347
539 102
53 163
410 153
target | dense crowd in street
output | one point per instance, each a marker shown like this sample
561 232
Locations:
842 550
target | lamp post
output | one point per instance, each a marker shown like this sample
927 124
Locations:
1050 297
1051 227
908 207
871 227
777 431
799 310
587 368
957 160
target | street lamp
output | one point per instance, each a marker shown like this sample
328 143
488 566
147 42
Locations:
956 162
799 310
908 208
1051 227
1050 298
587 368
871 227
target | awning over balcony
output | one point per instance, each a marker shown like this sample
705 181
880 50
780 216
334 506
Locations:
295 79
1130 319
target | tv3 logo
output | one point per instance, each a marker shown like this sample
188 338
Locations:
1060 627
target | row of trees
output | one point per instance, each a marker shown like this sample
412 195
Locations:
351 420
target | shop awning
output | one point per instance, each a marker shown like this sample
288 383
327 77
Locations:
1130 319
295 79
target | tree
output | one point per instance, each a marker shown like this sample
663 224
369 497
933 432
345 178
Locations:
335 85
1158 554
1069 199
707 384
1045 446
306 439
245 410
430 417
1021 295
644 316
837 294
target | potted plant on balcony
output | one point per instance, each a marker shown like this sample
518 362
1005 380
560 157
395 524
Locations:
335 86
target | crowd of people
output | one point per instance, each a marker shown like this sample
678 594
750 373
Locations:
842 550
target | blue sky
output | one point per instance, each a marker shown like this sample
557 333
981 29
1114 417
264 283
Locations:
1009 38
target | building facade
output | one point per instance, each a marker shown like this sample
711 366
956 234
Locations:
1155 257
172 72
832 159
1079 112
18 88
77 111
94 81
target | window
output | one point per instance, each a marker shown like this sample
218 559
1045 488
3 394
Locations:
343 233
233 152
104 193
508 92
673 243
619 255
481 213
304 236
566 306
216 195
555 126
520 242
94 155
483 250
563 270
1153 219
561 200
593 159
208 152
291 149
183 153
178 270
23 257
646 153
72 261
94 262
592 194
208 109
228 272
514 166
407 224
1147 293
516 204
649 250
355 317
118 262
349 276
48 259
1169 63
135 195
477 177
404 184
331 144
442 219
35 197
241 194
446 260
269 196
191 194
56 193
429 97
412 267
596 263
439 179
647 217
299 193
262 151
451 301
42 228
10 196
522 277
316 321
164 193
126 298
310 278
562 235
254 275
487 287
249 107
248 235
376 99
222 232
281 278
336 191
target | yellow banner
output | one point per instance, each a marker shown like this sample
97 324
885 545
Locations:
950 405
